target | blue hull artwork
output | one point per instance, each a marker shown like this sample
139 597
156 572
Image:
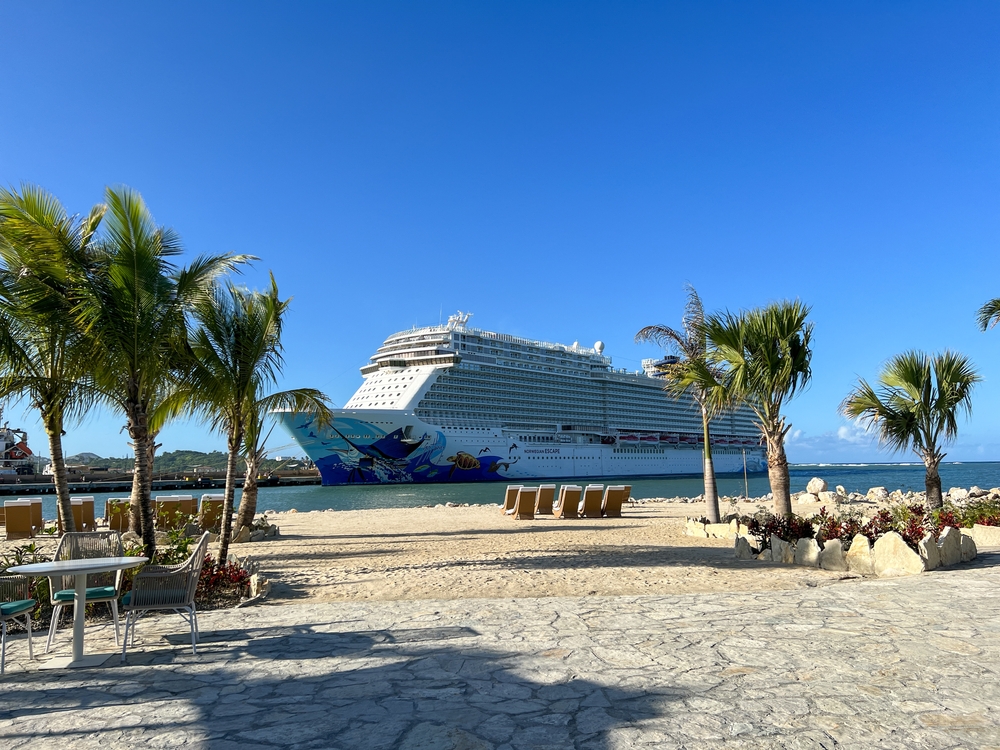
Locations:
357 452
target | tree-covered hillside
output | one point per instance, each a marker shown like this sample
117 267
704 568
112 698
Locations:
175 461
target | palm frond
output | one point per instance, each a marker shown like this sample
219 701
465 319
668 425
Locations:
989 314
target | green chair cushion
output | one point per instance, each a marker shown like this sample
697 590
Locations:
94 592
8 609
172 595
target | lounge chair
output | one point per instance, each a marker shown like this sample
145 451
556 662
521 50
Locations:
510 497
17 519
546 494
101 587
210 514
116 513
168 512
627 497
166 587
37 522
611 504
189 506
86 521
569 501
590 505
15 602
524 505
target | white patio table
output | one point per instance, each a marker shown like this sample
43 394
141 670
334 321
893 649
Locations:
80 569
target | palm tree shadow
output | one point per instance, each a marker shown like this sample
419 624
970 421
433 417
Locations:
324 685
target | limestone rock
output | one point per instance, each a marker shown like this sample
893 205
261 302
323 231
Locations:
272 530
928 550
976 492
950 546
694 527
841 490
984 536
807 552
765 555
958 494
718 531
969 550
243 536
131 536
257 535
782 551
816 486
878 495
893 557
213 537
743 549
808 497
859 556
293 510
162 538
832 555
829 498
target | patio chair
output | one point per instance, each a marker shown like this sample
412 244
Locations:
546 494
166 587
569 501
509 497
17 518
101 587
15 602
116 513
611 504
524 505
210 514
168 512
590 505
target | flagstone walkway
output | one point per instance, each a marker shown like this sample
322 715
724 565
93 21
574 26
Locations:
907 663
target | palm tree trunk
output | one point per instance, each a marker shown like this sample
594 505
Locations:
932 482
711 487
248 499
53 429
225 529
141 507
777 474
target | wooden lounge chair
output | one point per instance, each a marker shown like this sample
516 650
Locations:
611 504
168 512
17 519
189 506
86 520
590 505
210 514
627 497
101 587
116 513
37 522
569 501
166 587
510 497
543 504
15 602
524 506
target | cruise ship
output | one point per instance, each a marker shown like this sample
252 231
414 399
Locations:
453 403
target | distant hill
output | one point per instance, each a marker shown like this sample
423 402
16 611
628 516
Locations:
171 461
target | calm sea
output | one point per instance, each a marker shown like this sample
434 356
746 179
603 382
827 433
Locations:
854 477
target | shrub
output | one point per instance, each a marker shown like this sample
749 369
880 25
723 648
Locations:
763 524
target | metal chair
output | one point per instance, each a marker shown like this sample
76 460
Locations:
101 587
15 602
169 587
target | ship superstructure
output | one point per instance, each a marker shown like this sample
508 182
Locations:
456 403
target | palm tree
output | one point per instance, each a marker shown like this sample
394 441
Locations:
134 312
41 351
989 314
766 355
236 350
693 374
917 407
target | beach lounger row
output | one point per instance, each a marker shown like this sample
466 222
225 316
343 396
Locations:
169 511
574 501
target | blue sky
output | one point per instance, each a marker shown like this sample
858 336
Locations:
559 169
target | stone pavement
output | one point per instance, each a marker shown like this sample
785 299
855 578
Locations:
906 663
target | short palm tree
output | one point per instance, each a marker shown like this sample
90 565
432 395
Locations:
766 356
43 251
916 407
693 374
134 314
236 350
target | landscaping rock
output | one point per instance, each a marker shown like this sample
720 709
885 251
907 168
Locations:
257 535
212 538
718 531
830 498
832 555
976 492
928 550
969 550
950 546
807 552
743 549
808 497
816 486
693 527
243 536
984 536
878 495
893 557
859 556
162 538
958 494
131 536
841 490
765 556
272 530
782 551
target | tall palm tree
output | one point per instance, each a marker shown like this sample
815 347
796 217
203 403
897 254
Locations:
917 407
42 253
693 374
236 350
989 314
134 313
766 354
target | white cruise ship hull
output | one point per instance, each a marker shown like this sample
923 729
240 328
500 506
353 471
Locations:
376 447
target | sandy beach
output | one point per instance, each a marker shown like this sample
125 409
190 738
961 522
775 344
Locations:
475 552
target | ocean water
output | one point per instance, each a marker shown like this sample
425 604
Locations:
854 478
